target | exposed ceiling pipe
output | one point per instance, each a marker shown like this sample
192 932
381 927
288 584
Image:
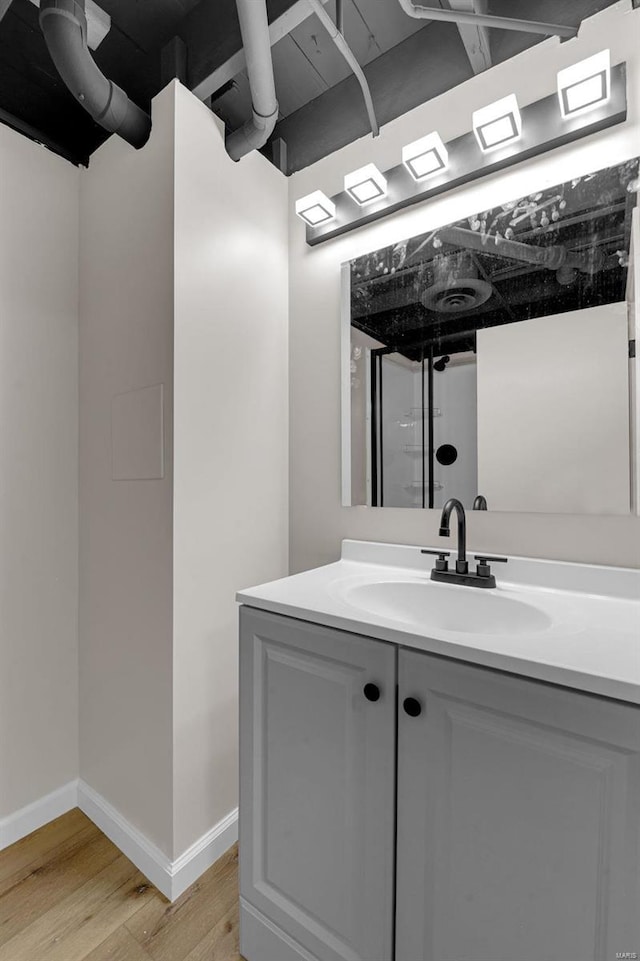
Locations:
254 28
486 20
554 257
350 57
64 25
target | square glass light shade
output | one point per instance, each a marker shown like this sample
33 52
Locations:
365 184
498 124
585 85
315 209
425 157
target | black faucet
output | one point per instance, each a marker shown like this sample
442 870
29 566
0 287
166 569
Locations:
462 575
452 504
480 503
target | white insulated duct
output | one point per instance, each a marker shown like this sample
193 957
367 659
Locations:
64 25
486 20
254 28
98 23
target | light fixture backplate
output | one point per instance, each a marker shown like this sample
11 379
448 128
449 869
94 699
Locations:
543 129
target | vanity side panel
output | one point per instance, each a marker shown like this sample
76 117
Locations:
317 787
518 818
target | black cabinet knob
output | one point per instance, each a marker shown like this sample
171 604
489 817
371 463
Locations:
412 706
372 692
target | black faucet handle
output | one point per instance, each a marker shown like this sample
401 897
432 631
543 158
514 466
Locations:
442 563
483 569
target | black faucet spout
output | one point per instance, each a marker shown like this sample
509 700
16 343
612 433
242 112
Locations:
454 504
462 575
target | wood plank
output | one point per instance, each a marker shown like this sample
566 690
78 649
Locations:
65 870
212 34
430 61
120 946
168 932
279 27
297 80
36 847
73 928
475 39
68 894
221 943
36 866
317 45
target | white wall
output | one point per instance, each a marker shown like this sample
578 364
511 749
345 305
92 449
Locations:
454 393
184 284
126 587
318 522
231 436
38 485
553 413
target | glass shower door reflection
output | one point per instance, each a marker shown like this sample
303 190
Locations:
423 445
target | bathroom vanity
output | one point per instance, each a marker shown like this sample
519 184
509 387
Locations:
435 773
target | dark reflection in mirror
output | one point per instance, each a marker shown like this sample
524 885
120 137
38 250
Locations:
419 304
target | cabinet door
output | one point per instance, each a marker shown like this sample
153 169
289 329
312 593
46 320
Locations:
317 788
518 819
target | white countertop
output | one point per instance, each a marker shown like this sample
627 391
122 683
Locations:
592 643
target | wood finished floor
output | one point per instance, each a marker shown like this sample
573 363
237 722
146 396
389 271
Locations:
68 894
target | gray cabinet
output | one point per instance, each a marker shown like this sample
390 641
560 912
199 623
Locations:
518 819
518 807
317 792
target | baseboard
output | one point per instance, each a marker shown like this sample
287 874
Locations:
33 816
149 859
170 877
203 853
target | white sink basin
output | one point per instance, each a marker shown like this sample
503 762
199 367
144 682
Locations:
443 608
577 625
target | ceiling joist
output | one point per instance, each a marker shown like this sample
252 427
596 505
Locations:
475 37
473 18
283 25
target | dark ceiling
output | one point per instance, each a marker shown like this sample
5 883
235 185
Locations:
407 62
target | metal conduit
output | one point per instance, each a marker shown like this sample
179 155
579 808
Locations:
350 57
254 28
486 20
64 25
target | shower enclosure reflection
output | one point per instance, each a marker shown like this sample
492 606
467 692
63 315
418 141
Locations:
417 408
491 357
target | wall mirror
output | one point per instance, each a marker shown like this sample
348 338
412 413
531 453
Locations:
493 358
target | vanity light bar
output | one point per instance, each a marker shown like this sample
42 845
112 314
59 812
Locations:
498 124
366 184
585 85
425 157
503 134
315 209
